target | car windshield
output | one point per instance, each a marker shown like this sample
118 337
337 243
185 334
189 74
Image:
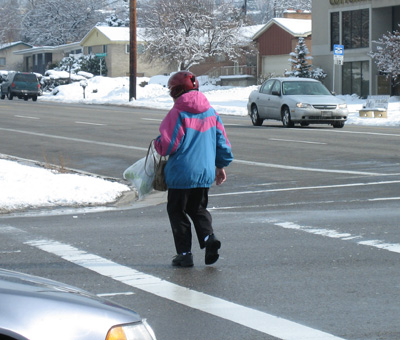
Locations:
304 88
29 78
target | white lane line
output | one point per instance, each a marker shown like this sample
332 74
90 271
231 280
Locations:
75 139
251 318
27 117
266 165
287 167
115 294
385 199
152 119
307 188
360 133
392 247
296 141
88 123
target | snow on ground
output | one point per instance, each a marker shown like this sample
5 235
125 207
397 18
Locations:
24 186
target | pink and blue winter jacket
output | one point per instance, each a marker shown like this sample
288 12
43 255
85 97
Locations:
193 136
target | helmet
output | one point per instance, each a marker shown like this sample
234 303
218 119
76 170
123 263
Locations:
182 82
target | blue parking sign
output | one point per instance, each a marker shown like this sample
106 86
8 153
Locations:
338 49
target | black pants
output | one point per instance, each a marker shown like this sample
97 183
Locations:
193 203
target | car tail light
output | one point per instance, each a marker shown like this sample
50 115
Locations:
13 84
38 86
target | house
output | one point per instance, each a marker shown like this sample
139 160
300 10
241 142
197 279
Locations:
9 60
39 59
113 43
278 38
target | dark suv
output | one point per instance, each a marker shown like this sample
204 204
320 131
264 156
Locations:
20 84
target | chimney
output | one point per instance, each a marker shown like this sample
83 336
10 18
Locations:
291 13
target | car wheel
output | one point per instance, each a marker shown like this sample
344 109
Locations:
2 95
26 98
10 95
255 118
338 125
34 98
286 120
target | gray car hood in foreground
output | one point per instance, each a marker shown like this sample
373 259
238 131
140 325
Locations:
41 309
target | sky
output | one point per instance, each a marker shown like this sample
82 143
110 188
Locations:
25 185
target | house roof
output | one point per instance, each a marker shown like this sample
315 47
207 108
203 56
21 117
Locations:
122 34
49 49
114 34
249 31
295 27
12 44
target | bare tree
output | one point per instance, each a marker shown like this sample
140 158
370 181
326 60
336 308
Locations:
56 22
387 54
183 33
10 21
265 10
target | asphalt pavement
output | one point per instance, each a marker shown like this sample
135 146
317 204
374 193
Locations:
308 220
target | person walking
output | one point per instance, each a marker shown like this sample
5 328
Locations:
193 136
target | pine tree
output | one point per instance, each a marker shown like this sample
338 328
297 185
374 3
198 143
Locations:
300 61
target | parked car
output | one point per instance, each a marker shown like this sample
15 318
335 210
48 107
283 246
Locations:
35 308
293 100
20 84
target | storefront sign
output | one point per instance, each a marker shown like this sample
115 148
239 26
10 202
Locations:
343 2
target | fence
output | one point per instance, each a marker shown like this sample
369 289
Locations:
218 72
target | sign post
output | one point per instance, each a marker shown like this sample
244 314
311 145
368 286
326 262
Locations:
338 56
101 56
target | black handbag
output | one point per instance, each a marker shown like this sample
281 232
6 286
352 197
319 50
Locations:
159 176
159 164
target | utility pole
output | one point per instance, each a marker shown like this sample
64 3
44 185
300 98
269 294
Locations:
132 50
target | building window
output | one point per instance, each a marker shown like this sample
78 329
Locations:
335 29
2 61
90 49
356 78
104 48
140 48
355 28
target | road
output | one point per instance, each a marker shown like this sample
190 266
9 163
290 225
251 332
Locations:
308 220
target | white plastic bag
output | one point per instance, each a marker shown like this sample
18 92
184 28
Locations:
141 175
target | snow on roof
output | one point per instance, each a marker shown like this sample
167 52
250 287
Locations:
11 44
249 31
120 33
123 33
296 27
115 33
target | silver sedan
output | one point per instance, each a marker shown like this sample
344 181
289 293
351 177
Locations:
293 100
35 308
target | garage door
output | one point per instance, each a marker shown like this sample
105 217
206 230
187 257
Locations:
276 65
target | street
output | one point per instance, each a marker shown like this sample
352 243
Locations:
308 220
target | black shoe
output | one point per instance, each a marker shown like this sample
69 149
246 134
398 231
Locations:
212 246
181 260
